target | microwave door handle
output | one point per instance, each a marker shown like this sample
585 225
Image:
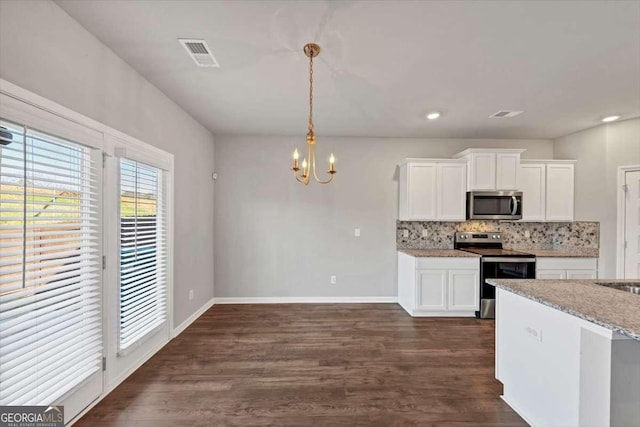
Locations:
514 201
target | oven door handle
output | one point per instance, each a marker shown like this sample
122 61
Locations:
514 203
507 259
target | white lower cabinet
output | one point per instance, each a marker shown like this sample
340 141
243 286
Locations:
566 268
447 287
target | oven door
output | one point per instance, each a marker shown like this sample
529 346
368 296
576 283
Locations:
494 205
501 268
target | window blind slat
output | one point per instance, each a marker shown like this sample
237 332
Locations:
50 300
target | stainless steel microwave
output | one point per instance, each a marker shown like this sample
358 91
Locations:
494 205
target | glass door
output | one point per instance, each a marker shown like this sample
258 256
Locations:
51 341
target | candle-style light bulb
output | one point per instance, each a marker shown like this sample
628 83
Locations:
304 163
332 163
295 160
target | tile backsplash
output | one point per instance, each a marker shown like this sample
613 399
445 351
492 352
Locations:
564 236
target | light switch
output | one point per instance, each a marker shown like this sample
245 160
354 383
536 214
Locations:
425 232
356 232
405 233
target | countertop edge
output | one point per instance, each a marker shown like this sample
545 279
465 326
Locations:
438 253
572 312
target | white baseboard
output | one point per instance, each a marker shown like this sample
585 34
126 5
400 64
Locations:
306 300
184 325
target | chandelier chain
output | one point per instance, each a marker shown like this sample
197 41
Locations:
311 93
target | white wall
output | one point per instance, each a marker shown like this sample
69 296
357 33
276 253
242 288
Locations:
47 52
599 151
277 238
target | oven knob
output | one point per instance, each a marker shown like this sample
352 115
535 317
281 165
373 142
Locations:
495 236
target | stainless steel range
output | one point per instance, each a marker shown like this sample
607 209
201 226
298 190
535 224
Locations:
495 263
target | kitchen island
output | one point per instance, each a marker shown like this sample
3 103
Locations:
568 351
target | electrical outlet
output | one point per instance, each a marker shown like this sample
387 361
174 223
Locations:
334 280
356 232
405 233
527 234
190 294
425 232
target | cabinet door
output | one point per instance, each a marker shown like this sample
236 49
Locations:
507 165
422 191
551 274
531 181
482 174
559 206
432 290
452 181
463 289
581 274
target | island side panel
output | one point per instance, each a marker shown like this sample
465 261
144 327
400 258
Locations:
595 378
406 282
538 356
625 381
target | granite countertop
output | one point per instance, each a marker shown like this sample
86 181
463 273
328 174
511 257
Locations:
438 253
613 309
569 253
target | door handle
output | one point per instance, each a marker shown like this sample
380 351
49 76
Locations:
514 201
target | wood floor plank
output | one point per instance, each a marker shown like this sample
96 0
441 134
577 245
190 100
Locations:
315 365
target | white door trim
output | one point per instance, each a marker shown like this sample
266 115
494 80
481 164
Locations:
622 170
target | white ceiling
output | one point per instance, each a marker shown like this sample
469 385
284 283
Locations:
384 64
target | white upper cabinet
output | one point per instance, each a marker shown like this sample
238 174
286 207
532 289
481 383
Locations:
492 169
560 189
433 189
482 171
547 190
420 191
507 165
451 203
532 179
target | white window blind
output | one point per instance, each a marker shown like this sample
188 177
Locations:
143 252
50 303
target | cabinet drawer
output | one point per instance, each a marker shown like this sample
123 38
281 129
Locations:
567 263
447 263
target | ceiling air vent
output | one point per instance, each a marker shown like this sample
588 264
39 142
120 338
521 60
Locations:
504 114
199 52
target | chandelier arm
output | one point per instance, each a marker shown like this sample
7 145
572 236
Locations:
315 175
304 181
325 182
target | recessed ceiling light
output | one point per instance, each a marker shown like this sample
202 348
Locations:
433 115
610 119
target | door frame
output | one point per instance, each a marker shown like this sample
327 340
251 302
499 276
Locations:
621 220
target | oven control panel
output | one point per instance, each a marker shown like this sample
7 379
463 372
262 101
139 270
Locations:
484 237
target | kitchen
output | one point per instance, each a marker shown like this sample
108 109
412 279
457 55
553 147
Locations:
474 235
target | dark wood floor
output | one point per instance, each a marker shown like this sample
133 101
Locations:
322 365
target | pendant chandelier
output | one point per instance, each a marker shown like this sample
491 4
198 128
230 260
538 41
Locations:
311 50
